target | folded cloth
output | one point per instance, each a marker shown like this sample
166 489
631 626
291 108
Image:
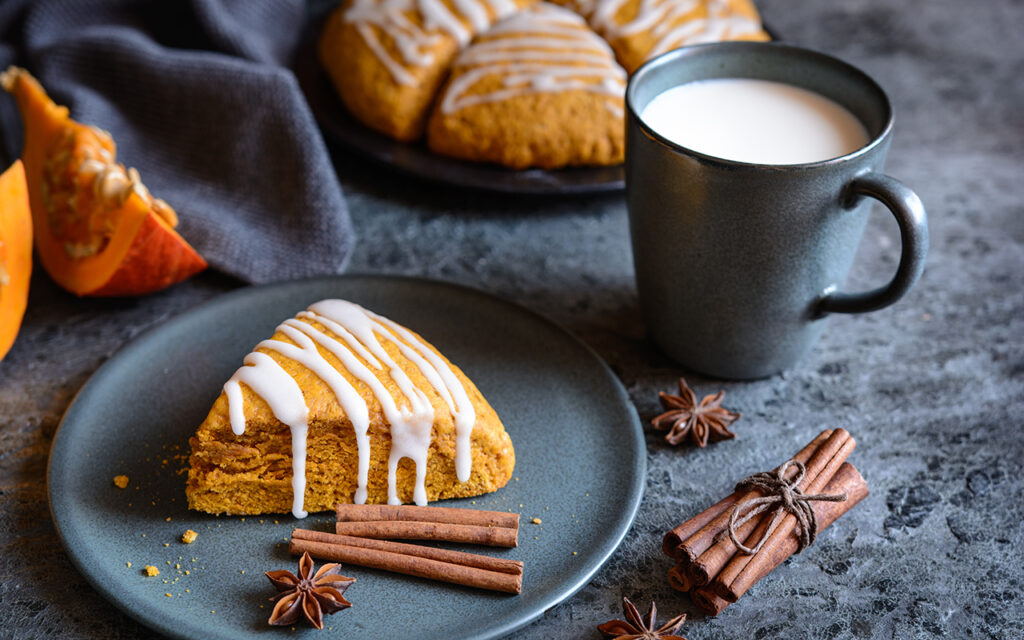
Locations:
199 99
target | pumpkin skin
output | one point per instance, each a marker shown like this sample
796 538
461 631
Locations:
15 253
98 230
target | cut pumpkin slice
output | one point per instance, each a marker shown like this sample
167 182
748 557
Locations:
98 230
15 253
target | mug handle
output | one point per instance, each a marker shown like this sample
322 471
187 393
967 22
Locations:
913 222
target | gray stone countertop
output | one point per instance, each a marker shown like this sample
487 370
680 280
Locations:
933 388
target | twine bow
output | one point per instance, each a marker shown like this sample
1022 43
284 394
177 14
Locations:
786 497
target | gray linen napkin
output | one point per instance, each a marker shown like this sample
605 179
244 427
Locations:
199 99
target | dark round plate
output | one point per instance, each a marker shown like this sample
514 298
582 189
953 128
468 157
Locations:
580 468
417 160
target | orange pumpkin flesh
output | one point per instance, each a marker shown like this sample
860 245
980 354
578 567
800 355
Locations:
98 230
15 253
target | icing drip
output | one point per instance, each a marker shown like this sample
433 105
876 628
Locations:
551 50
356 342
351 402
447 385
671 23
282 394
414 39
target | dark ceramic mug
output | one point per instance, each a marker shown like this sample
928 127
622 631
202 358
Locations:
737 264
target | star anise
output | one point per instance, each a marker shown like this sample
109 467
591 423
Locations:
684 417
634 627
308 594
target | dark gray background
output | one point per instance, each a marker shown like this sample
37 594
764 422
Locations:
932 388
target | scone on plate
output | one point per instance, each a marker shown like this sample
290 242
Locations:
538 89
639 30
344 405
387 58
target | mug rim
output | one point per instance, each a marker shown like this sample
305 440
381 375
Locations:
690 50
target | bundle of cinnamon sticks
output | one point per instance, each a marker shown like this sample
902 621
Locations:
709 565
364 536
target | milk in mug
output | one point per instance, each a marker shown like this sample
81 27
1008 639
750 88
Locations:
755 121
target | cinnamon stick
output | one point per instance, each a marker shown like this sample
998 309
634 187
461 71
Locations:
679 578
708 601
456 567
411 530
698 542
821 466
847 480
673 540
478 561
412 513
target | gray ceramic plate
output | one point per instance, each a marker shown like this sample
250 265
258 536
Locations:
580 463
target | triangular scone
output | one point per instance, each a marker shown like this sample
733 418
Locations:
387 58
354 406
538 89
639 30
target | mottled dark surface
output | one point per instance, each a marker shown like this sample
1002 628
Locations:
933 388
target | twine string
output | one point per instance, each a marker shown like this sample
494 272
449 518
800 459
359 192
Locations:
782 495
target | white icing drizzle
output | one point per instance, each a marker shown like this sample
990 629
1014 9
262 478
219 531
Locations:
356 343
268 380
414 39
549 49
351 402
661 18
447 385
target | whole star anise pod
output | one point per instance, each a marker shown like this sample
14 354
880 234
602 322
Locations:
684 417
308 594
634 627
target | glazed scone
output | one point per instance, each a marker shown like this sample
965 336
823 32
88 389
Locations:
538 89
344 405
387 58
639 30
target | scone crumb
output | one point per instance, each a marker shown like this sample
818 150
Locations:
128 564
151 571
189 536
536 521
121 482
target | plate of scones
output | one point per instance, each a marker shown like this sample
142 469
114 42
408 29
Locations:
517 96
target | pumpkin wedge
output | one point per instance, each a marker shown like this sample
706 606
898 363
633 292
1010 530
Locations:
98 230
15 253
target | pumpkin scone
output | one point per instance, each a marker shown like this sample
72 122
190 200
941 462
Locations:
538 89
639 30
387 58
343 405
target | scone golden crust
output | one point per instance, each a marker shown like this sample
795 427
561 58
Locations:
252 472
539 89
387 58
639 30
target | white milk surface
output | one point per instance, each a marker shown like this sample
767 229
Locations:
757 121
